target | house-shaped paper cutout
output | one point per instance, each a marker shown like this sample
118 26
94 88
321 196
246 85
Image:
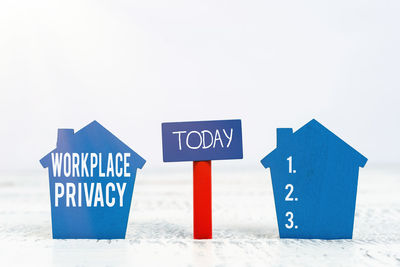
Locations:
322 173
91 222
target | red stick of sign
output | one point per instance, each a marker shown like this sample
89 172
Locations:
202 213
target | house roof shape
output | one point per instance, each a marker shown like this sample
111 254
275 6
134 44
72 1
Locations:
95 130
313 126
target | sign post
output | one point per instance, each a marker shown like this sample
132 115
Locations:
201 142
202 207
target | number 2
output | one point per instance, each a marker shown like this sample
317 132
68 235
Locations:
288 196
290 220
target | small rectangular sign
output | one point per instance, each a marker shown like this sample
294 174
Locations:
202 140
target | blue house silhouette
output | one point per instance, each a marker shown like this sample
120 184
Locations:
85 219
314 178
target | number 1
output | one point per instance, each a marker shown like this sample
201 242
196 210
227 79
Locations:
290 164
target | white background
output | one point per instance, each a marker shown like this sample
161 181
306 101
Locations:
134 64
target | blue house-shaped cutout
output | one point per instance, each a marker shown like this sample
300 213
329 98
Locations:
314 178
95 203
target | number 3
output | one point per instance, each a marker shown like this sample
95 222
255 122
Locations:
290 220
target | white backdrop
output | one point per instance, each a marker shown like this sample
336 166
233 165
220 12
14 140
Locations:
134 64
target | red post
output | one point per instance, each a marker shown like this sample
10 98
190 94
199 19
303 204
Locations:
202 213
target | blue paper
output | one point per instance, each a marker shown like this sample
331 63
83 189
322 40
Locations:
202 140
91 177
314 178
